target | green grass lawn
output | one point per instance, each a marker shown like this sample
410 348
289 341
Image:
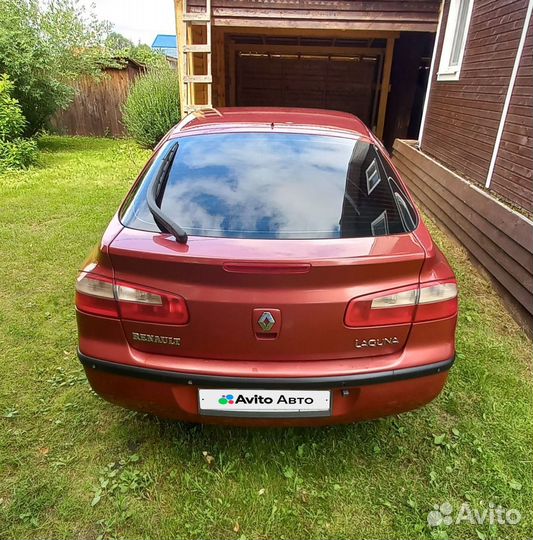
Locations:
73 466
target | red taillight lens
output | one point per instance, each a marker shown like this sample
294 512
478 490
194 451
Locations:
396 307
98 295
151 306
429 301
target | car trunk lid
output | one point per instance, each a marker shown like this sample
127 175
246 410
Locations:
266 299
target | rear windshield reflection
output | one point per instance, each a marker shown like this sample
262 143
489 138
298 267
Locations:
277 185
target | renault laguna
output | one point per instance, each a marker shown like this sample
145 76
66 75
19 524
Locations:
268 267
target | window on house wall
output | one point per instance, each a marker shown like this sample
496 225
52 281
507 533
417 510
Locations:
453 47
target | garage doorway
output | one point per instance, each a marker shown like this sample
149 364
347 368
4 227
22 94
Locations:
328 76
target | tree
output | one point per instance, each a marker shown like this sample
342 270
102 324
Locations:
121 47
117 42
44 47
147 56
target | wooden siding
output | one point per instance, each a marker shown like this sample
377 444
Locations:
498 237
414 15
97 107
513 173
463 116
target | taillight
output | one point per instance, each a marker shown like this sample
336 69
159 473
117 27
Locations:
99 295
151 306
436 301
429 301
396 307
95 295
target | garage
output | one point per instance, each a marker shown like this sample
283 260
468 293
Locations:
369 59
338 78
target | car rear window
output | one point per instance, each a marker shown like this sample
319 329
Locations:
276 186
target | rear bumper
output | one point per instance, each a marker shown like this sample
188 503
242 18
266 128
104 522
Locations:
308 383
174 395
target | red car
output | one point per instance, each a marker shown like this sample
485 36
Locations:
267 267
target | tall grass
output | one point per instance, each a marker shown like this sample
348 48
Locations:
153 106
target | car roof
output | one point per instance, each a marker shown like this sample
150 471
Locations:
249 118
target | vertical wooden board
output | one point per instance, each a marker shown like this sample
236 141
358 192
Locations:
218 67
180 39
385 87
231 74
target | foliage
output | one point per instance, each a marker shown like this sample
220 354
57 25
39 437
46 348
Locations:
152 106
121 47
369 480
44 47
15 152
117 42
147 56
12 120
18 153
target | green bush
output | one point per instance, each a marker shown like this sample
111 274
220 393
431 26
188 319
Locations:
12 121
152 106
15 152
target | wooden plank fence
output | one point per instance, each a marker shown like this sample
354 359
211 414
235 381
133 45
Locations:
97 107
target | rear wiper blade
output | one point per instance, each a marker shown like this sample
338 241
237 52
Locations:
164 223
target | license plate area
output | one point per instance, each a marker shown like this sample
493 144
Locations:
256 403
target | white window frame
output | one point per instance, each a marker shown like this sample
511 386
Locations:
382 219
446 71
373 178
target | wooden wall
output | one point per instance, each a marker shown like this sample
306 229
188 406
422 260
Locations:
97 107
415 15
463 116
498 237
513 174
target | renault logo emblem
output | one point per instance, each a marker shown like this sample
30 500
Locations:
266 321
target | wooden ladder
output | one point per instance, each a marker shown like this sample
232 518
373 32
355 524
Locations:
190 25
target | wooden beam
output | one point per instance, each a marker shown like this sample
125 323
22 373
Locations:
180 37
309 50
310 32
385 87
299 25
